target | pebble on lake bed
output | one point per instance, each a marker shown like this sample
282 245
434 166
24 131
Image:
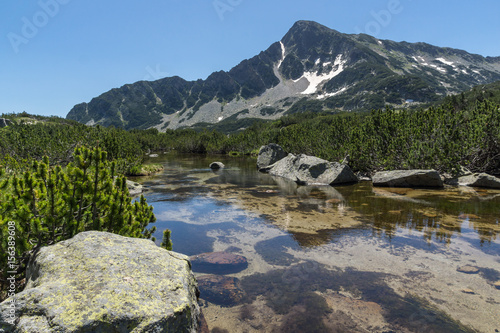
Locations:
497 285
468 291
468 269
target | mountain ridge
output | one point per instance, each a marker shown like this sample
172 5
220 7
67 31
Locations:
311 64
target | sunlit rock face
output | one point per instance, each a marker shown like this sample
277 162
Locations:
408 178
310 170
270 154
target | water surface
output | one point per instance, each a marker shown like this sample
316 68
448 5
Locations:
335 259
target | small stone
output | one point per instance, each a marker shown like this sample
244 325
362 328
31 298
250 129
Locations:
468 291
468 269
497 285
217 165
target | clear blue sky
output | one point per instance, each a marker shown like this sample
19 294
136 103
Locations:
58 53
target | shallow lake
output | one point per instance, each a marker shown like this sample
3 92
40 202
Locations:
333 259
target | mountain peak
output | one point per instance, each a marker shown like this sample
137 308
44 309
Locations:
304 29
312 68
305 23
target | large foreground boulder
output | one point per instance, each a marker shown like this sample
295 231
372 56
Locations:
479 180
408 178
102 282
270 154
310 170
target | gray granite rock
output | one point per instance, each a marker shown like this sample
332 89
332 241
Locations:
102 282
217 165
408 178
310 170
270 154
479 180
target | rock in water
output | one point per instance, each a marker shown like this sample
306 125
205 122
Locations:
218 263
310 170
408 178
480 180
217 165
102 282
134 189
467 269
220 290
270 154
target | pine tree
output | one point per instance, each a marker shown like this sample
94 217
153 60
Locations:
48 204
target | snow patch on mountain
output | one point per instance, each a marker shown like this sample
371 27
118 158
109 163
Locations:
444 61
326 95
315 80
283 50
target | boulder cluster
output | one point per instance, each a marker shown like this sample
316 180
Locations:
310 170
303 169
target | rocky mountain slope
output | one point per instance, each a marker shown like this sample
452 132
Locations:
311 68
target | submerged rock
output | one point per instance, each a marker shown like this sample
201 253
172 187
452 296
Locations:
270 154
468 291
203 325
102 282
310 170
220 290
468 269
218 263
217 165
408 178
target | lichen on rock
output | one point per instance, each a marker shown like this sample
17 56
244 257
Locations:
102 282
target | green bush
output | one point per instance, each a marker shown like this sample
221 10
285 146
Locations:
48 204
